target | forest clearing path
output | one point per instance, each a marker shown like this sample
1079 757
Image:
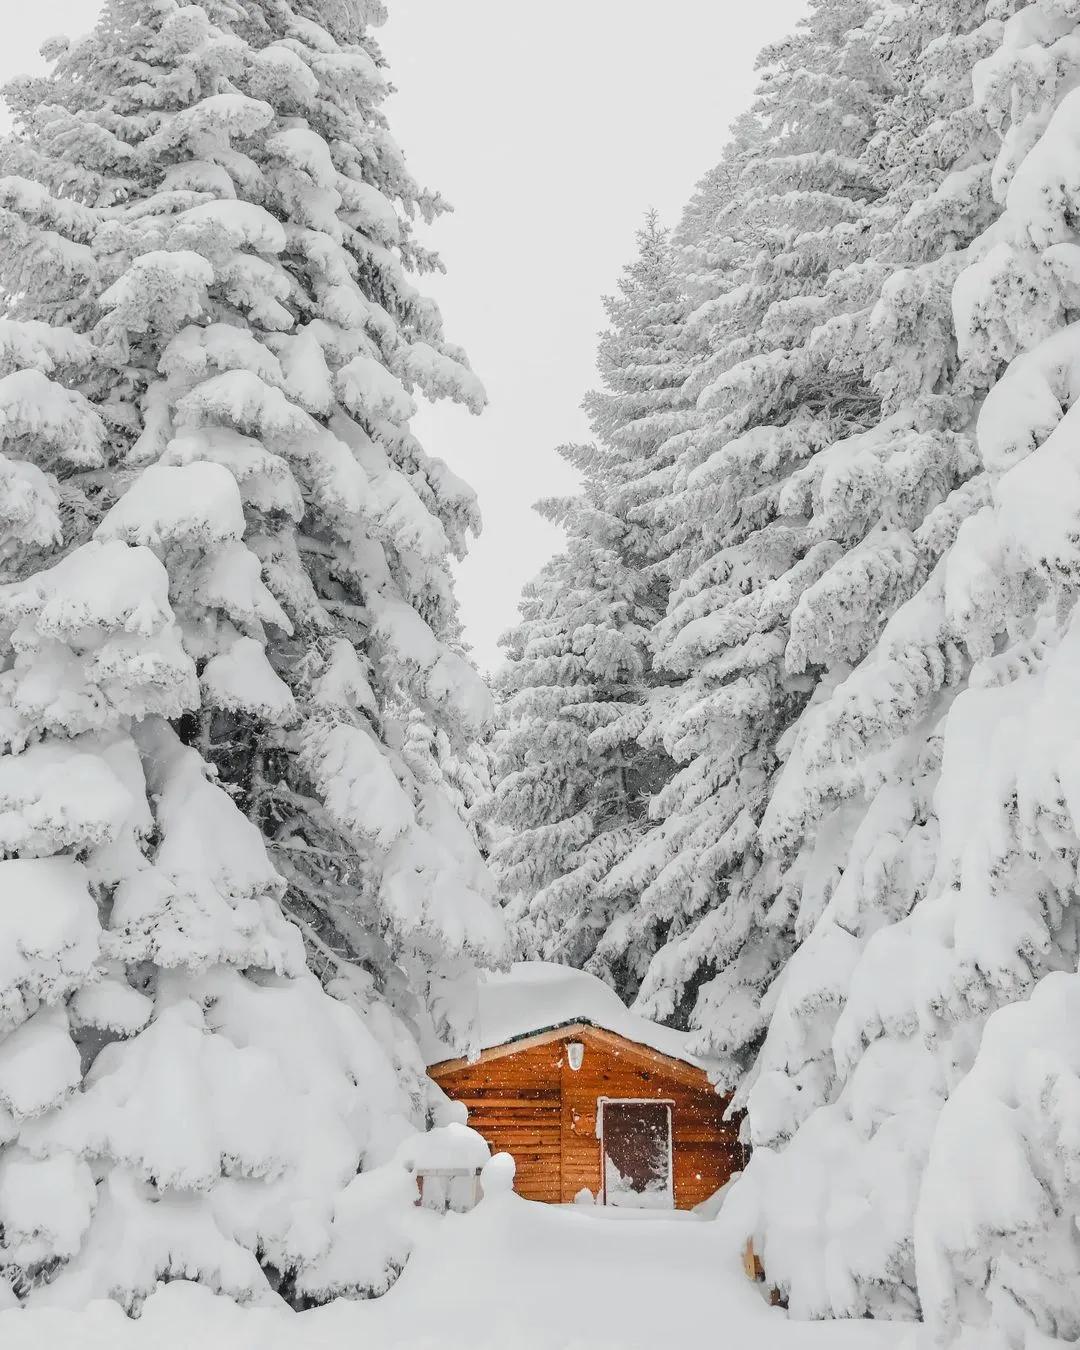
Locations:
519 1274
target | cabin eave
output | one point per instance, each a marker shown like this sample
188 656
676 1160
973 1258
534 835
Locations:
581 1027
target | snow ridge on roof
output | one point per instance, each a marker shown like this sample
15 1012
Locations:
534 996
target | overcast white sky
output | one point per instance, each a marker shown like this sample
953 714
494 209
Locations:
552 128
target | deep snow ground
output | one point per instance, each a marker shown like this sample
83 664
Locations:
511 1275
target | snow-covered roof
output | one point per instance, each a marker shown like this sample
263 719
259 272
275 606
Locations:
534 996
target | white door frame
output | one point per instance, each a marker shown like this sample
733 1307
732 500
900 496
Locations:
669 1102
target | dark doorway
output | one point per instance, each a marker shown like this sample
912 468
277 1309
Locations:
636 1143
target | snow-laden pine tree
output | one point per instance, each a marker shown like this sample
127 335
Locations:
461 772
225 563
572 780
936 152
926 1170
783 256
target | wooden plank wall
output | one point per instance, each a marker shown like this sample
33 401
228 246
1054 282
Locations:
705 1149
514 1103
531 1104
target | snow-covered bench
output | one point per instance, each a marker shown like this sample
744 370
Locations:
446 1163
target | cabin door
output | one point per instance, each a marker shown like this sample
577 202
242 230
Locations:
635 1148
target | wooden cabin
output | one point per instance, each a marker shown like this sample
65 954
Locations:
587 1096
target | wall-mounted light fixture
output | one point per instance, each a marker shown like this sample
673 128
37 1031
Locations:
575 1053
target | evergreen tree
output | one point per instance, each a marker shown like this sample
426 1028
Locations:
225 587
918 470
572 779
931 784
783 257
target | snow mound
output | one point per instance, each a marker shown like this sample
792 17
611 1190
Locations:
509 1273
453 1145
534 996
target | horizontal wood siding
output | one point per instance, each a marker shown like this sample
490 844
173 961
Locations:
514 1102
530 1103
705 1149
